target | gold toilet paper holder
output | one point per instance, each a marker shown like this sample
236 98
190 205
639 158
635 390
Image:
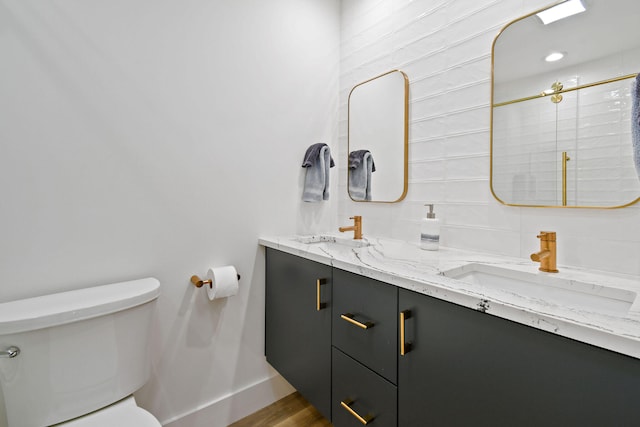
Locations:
198 282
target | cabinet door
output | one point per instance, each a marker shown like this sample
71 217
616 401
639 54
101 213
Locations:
467 368
359 303
298 325
360 395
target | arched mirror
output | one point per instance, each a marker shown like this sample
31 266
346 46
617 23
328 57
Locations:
561 131
378 139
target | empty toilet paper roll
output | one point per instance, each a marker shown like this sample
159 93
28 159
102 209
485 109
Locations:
224 282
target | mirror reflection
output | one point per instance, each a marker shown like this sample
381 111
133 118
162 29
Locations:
562 107
378 138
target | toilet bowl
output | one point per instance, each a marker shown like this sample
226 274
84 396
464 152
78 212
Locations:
75 358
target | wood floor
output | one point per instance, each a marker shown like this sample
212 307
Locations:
290 411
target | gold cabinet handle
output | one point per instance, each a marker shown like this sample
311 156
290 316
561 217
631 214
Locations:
349 318
320 305
346 404
405 347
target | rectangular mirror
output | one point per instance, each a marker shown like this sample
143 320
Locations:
378 139
561 128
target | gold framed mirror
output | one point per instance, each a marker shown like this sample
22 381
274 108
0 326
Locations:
561 131
378 139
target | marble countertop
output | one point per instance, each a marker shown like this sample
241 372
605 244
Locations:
407 266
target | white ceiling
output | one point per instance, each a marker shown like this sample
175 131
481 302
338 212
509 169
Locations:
606 27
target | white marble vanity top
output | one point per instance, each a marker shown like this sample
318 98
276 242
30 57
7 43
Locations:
614 324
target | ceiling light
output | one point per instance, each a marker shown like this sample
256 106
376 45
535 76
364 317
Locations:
561 11
553 57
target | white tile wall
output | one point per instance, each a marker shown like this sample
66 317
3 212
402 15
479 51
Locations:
445 49
592 125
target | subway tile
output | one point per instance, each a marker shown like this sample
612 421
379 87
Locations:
490 215
420 191
461 191
481 239
427 170
597 224
445 48
430 127
471 119
428 64
420 151
470 143
467 168
427 106
609 255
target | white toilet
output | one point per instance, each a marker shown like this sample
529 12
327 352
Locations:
74 359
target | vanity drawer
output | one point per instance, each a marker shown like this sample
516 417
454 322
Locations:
365 323
359 392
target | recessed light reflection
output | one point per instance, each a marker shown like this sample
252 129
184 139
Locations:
561 11
553 57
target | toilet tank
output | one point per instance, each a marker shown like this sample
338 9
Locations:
79 351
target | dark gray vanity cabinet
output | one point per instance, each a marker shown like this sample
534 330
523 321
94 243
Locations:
467 368
298 325
339 339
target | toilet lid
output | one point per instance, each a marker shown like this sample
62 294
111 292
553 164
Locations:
122 414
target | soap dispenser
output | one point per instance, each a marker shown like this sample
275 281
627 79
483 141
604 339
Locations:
430 231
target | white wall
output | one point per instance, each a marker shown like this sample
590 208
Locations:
444 46
159 138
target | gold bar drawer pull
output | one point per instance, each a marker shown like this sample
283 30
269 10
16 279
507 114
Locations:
349 318
320 305
405 347
346 404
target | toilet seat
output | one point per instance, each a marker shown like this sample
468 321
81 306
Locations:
125 413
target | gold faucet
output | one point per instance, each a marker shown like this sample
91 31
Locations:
356 227
547 254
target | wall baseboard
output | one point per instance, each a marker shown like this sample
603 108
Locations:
234 406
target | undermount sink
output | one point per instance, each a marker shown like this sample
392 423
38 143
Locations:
327 238
573 294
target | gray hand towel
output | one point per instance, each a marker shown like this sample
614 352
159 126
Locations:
317 161
312 155
635 121
356 157
361 166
